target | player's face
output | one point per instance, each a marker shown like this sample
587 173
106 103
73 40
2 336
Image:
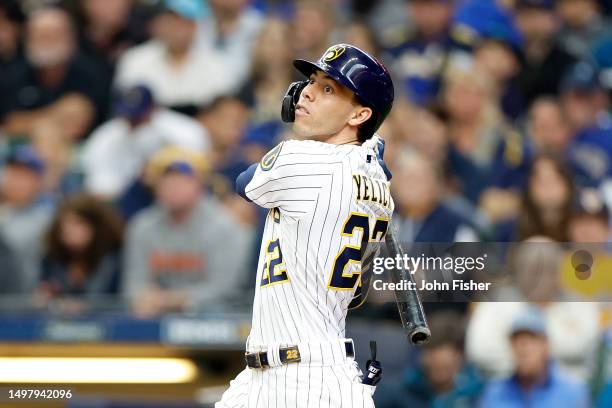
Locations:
324 109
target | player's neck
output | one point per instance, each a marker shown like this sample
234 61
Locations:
342 138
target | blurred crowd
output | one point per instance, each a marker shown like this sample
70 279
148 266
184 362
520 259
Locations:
124 123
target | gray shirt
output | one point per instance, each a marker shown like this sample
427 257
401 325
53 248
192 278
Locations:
22 230
206 256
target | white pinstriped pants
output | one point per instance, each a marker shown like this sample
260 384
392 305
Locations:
325 382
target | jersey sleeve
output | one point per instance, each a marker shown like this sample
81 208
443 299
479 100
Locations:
288 177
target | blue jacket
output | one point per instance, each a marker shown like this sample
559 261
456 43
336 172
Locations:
414 391
556 391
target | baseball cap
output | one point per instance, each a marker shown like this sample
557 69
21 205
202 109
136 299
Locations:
26 156
189 9
134 102
529 321
476 21
182 167
177 159
539 4
583 76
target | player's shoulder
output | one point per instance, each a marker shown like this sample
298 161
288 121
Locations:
302 152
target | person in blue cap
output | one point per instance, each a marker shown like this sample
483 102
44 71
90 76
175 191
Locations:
584 101
24 214
489 32
117 151
420 58
536 381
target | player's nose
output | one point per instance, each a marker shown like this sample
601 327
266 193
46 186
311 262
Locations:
307 93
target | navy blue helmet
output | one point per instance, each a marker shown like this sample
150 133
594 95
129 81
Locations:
355 69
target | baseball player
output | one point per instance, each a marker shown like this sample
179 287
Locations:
329 200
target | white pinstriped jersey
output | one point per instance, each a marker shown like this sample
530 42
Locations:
328 205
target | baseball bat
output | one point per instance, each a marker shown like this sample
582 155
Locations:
408 301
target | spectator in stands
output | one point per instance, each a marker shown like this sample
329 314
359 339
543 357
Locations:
499 54
24 215
584 25
545 61
226 120
231 31
51 72
271 73
419 58
107 28
82 254
181 252
547 126
11 26
489 31
485 151
312 25
181 76
547 201
443 377
585 104
422 215
117 152
63 175
535 279
536 381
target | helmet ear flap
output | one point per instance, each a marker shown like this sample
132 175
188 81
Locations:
291 98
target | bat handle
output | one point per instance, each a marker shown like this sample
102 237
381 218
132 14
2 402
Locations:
420 335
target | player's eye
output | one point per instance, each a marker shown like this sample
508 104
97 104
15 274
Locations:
311 81
328 89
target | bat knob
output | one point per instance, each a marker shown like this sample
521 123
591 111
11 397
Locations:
419 336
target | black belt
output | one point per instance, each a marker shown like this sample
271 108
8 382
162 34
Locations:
287 355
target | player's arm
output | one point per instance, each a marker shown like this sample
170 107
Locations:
288 177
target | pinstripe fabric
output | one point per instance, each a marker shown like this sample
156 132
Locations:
311 191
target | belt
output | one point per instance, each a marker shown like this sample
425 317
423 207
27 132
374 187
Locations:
287 355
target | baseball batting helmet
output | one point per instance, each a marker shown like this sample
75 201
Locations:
355 69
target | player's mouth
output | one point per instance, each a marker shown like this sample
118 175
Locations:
301 110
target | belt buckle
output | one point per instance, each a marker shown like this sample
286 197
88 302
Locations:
257 356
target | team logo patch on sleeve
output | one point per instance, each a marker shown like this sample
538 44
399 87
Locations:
270 158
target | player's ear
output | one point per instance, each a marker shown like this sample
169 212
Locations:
360 115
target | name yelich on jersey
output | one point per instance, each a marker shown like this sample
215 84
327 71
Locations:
372 190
